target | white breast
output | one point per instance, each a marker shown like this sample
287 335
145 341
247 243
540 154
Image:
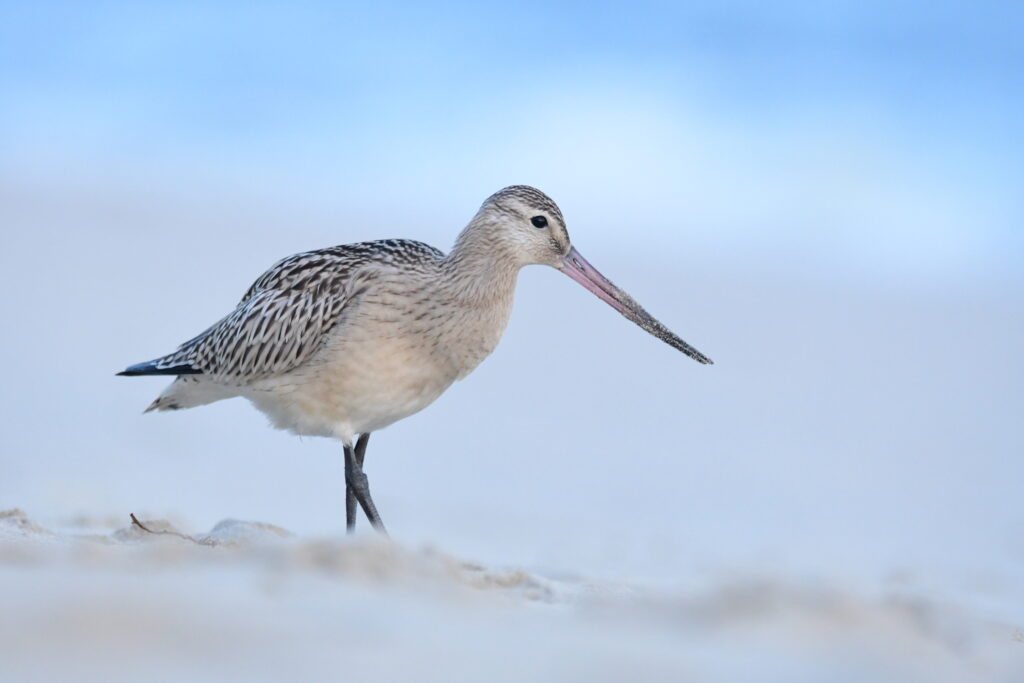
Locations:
397 351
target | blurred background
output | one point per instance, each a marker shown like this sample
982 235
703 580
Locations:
824 199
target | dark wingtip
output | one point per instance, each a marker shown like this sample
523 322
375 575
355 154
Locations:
151 368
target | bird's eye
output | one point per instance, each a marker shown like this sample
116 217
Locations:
539 222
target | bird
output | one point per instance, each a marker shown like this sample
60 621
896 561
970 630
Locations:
344 341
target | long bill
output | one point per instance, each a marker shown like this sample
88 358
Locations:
576 267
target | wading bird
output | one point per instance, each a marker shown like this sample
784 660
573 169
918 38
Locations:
343 341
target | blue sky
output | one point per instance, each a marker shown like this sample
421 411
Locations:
881 137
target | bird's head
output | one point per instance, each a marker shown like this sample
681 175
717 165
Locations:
525 224
527 227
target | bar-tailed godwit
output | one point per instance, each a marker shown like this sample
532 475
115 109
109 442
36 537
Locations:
343 341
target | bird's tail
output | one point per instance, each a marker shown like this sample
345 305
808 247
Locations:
189 392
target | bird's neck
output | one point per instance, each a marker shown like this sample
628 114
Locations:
481 269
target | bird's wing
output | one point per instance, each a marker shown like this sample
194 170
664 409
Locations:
286 314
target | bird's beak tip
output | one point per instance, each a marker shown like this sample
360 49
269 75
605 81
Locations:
700 358
576 267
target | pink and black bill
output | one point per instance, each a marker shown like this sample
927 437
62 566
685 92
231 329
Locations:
576 267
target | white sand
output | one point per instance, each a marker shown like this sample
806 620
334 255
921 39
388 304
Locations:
249 601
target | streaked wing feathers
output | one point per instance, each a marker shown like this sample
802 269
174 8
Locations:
284 317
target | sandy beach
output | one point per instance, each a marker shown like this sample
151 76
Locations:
249 601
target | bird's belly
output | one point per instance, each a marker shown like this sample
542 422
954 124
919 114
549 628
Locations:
355 385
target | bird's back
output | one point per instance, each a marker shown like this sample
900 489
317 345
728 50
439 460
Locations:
286 314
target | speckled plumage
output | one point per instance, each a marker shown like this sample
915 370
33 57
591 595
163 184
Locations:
346 340
285 315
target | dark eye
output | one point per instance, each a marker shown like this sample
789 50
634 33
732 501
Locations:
539 222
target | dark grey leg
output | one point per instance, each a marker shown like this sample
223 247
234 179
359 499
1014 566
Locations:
350 496
357 482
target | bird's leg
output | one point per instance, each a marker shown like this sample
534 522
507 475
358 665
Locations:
356 481
350 496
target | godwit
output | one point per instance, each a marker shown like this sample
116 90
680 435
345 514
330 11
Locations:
346 340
